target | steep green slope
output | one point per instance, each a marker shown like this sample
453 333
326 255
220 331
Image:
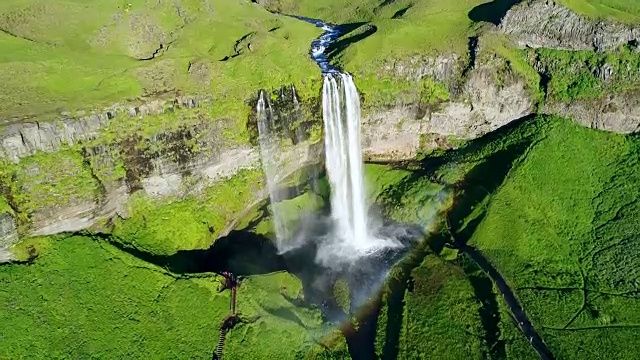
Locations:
560 228
618 10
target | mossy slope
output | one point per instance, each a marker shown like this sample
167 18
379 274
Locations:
559 228
85 298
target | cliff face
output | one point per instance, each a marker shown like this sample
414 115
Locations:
544 23
181 160
615 112
482 98
20 139
590 68
74 174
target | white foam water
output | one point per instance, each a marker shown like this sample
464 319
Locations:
269 155
352 233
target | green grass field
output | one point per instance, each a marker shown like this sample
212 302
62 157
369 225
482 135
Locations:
560 229
85 298
627 11
62 55
441 318
71 55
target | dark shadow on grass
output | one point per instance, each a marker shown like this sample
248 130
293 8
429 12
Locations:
492 12
488 311
285 314
241 252
400 13
481 182
396 302
337 47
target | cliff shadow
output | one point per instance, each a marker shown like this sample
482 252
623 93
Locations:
489 311
362 31
242 252
395 299
492 12
480 183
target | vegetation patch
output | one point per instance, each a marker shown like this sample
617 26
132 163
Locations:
48 180
516 60
585 75
164 226
436 315
4 206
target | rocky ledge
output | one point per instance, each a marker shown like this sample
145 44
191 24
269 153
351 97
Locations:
544 23
614 112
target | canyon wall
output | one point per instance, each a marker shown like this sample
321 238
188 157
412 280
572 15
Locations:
78 172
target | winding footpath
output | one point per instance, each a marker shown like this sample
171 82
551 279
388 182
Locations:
231 283
523 322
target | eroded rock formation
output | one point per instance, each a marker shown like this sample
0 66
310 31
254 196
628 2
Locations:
483 103
615 112
544 23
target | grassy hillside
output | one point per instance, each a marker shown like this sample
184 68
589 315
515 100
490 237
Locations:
70 55
560 228
61 55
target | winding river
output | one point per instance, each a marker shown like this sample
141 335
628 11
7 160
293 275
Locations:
321 44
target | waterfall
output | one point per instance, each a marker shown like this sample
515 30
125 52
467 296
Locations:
341 115
351 235
269 151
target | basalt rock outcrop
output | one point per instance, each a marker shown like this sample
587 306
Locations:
618 113
547 24
174 162
544 23
22 139
8 236
481 101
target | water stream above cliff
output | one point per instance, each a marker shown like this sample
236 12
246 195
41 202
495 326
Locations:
351 234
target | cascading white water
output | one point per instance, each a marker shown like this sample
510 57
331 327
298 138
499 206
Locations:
341 115
269 155
353 234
